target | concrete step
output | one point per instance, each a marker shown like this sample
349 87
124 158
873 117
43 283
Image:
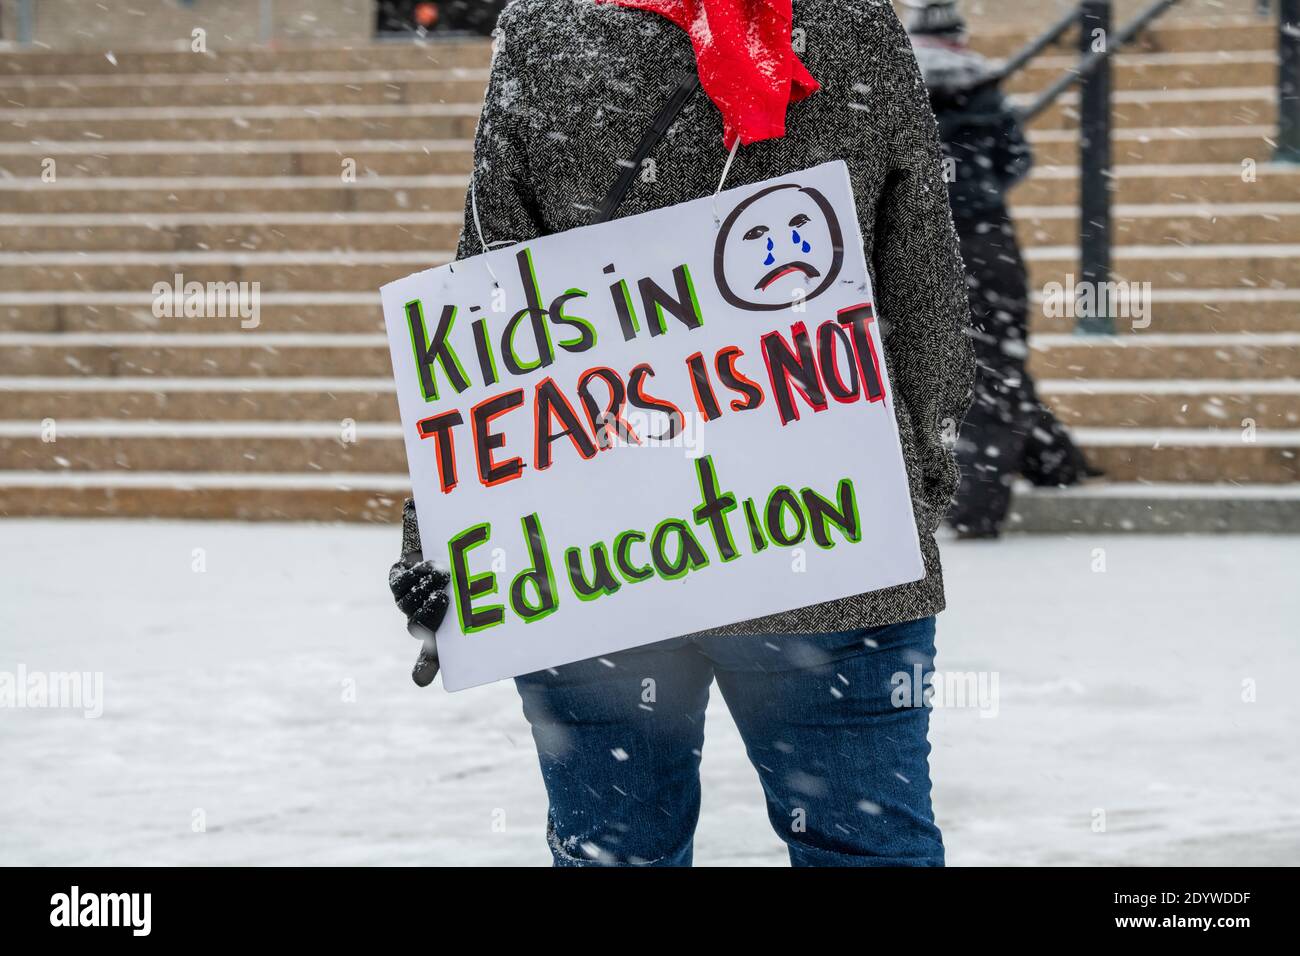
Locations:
240 497
1193 35
133 312
204 446
1183 223
132 158
254 354
440 54
234 232
190 123
1173 108
1166 266
1153 508
1193 455
1160 71
323 271
1155 355
262 354
1169 403
270 194
199 399
1209 183
1234 310
280 88
1169 145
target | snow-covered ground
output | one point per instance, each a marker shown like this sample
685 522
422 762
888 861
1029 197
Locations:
267 697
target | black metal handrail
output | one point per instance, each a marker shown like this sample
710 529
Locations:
1288 82
1093 60
1037 45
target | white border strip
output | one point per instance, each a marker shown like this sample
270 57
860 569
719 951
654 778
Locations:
1200 251
163 114
1169 170
191 184
1184 210
37 81
1167 490
1144 134
117 297
37 383
267 219
166 259
167 340
1185 438
1142 340
1147 386
183 481
152 428
238 147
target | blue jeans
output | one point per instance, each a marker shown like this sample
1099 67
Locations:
843 763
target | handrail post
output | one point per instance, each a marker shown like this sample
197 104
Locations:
1094 313
266 23
26 20
1288 82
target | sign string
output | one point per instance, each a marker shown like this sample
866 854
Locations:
473 208
725 169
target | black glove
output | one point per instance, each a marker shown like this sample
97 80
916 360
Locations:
420 590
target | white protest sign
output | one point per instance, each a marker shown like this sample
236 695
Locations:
650 427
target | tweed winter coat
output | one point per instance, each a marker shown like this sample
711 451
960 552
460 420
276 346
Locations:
574 86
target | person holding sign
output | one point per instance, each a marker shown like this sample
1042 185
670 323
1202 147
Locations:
801 333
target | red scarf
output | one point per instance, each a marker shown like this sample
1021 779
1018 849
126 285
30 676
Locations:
745 61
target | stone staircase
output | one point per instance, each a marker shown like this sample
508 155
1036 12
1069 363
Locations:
229 167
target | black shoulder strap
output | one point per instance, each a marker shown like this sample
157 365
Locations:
686 85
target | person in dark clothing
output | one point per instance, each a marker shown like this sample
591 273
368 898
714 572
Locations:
1008 430
574 85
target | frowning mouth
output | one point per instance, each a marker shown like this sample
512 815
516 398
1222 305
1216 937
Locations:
785 270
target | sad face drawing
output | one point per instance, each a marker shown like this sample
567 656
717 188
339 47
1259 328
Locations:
780 246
